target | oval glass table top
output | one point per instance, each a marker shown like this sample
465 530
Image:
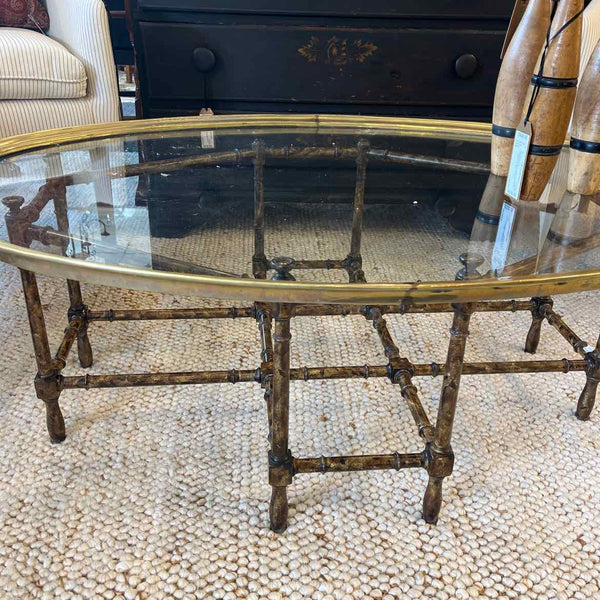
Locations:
290 208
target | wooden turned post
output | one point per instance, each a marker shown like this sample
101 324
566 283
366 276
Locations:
513 81
577 218
553 91
280 458
439 455
584 160
511 89
487 218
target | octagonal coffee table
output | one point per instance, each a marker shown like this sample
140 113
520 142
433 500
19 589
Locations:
293 217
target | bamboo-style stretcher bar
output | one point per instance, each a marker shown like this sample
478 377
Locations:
304 310
314 373
236 157
366 462
71 334
273 371
574 340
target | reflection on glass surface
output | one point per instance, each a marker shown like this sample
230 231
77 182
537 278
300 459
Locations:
573 240
518 236
337 207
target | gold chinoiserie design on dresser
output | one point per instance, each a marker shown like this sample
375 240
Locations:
336 51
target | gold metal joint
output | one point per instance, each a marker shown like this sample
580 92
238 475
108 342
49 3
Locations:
48 387
439 463
281 472
80 311
542 308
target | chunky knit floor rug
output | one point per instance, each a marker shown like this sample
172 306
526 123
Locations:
162 493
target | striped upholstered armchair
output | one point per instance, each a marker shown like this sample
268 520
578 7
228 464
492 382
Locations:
65 78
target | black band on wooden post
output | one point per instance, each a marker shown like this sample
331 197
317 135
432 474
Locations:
557 83
538 150
506 132
585 146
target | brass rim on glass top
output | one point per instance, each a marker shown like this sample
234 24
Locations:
279 291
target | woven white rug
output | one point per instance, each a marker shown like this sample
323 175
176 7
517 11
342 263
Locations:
162 492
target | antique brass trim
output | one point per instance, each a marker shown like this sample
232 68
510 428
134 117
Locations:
427 128
262 290
279 291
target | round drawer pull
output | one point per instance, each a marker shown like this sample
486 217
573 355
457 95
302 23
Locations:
466 66
204 59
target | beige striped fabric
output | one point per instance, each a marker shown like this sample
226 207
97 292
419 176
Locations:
34 66
81 27
26 116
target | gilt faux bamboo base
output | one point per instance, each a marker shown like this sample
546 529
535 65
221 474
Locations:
274 374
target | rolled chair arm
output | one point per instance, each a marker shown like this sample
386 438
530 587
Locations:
82 27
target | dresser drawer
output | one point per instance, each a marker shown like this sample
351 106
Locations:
480 9
341 65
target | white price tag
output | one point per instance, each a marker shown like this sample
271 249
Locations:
505 226
207 139
518 160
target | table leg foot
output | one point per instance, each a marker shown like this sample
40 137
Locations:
55 422
533 336
587 399
432 502
278 510
588 395
84 349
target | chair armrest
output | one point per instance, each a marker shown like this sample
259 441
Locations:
82 27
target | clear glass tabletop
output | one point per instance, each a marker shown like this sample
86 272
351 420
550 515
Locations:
317 201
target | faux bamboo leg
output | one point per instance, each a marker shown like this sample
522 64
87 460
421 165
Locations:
268 396
588 395
538 313
77 307
47 383
280 459
353 262
263 317
259 260
359 198
440 458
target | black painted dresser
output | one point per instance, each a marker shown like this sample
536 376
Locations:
395 57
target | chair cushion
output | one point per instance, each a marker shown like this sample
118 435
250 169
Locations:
24 13
34 66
